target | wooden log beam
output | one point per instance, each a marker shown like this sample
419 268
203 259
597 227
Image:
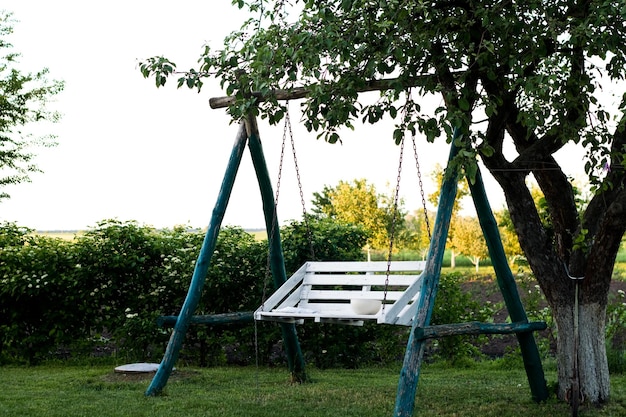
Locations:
475 327
301 92
213 319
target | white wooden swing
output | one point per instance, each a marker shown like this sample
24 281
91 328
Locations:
349 292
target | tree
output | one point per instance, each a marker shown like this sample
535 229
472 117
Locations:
357 202
415 235
469 240
510 242
23 100
533 74
463 190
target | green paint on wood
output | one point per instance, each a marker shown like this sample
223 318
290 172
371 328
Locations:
475 328
212 319
508 287
202 266
295 359
409 375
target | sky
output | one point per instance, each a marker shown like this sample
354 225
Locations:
130 151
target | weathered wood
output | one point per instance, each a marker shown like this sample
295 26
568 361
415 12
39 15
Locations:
201 268
475 327
301 92
409 375
295 358
213 319
508 288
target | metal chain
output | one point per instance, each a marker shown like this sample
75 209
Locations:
393 222
268 268
309 234
419 178
274 217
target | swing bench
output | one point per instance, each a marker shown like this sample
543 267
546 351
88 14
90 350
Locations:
343 292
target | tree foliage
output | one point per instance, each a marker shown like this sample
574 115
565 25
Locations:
437 175
510 242
468 239
23 101
358 203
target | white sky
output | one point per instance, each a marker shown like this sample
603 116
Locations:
130 151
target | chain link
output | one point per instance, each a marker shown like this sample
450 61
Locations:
295 162
394 216
268 268
419 178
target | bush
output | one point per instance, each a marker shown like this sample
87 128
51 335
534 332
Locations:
38 295
453 305
105 289
616 332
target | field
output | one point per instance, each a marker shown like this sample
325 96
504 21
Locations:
484 389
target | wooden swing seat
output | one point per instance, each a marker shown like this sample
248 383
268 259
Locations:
324 292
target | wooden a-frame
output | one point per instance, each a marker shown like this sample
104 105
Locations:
420 330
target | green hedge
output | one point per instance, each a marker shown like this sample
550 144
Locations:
100 294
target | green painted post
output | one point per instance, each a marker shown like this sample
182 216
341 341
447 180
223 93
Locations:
201 268
295 359
409 375
508 287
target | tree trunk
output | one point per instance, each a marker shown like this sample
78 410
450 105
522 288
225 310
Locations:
552 257
452 259
593 372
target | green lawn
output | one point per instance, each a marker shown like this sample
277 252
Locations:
483 390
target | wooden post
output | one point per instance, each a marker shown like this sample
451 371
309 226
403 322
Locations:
295 359
201 269
409 375
508 287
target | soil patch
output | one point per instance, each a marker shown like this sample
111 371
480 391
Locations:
486 290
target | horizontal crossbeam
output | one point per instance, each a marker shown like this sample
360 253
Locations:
301 92
212 319
475 327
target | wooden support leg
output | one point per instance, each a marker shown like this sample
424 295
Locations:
295 359
508 287
201 268
409 376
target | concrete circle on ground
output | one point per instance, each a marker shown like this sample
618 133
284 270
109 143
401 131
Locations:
137 368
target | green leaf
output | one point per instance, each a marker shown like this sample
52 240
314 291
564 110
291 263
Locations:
464 104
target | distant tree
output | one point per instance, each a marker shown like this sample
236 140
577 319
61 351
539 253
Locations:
414 234
23 100
512 248
357 202
437 176
469 239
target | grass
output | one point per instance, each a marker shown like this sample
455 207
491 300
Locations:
486 389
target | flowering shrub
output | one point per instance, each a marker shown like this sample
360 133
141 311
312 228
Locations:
38 295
